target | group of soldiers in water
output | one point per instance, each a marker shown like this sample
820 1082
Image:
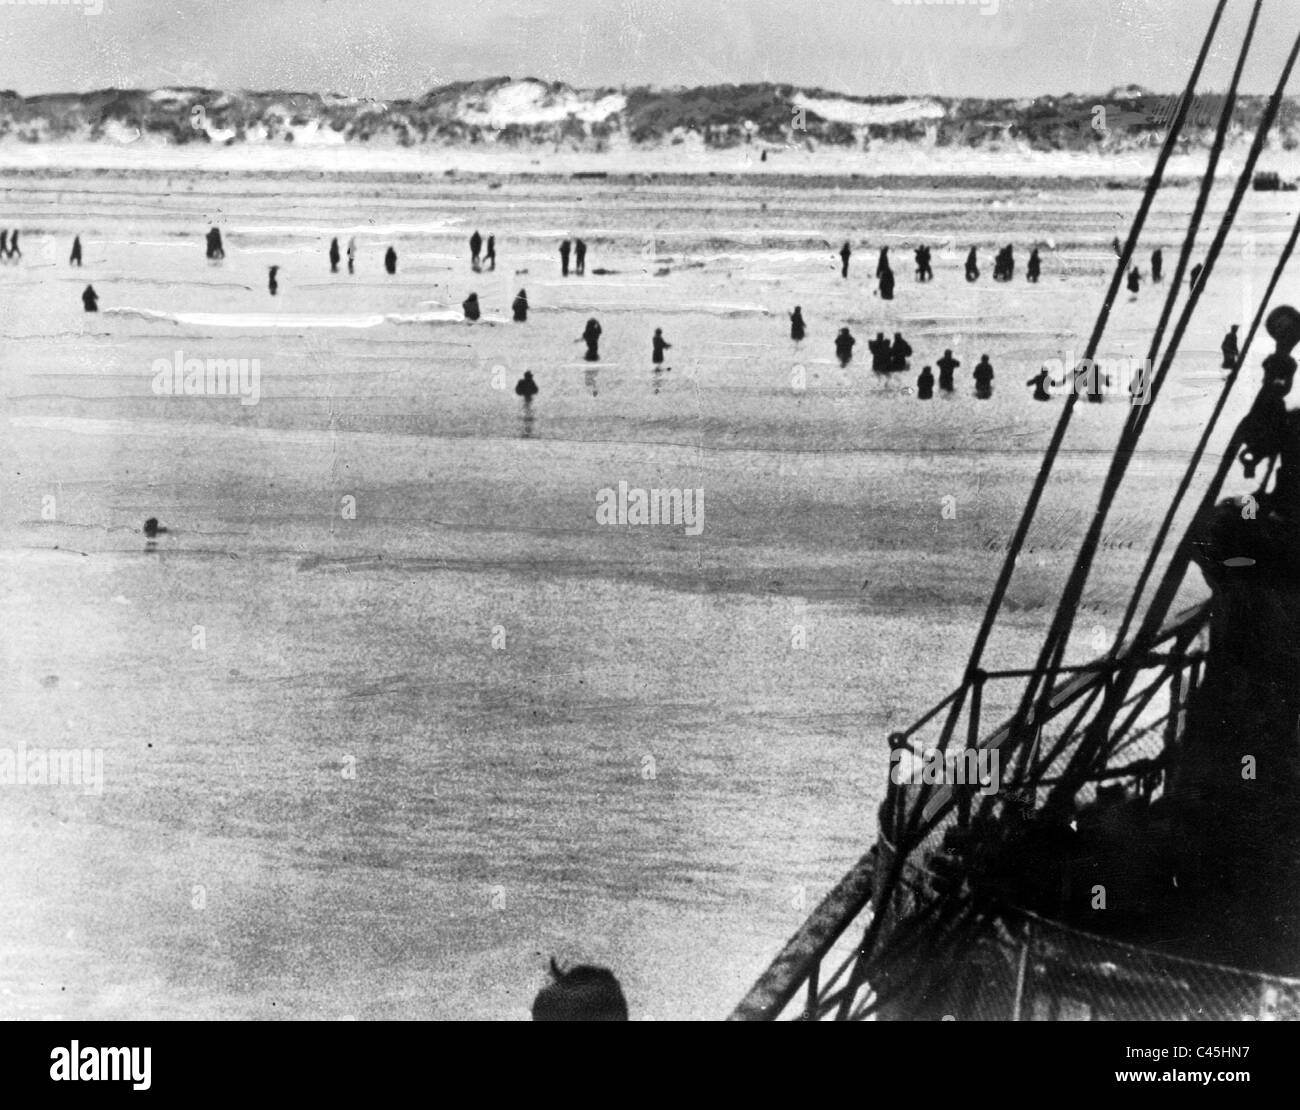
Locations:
1004 268
887 357
891 357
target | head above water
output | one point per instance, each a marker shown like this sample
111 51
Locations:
582 993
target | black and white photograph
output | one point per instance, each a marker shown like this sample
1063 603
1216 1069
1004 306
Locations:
650 510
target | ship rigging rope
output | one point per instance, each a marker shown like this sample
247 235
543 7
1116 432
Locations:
1053 649
1097 730
1058 435
1198 453
891 880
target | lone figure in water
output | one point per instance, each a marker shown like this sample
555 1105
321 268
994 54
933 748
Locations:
90 299
659 345
215 248
887 284
271 283
13 245
983 375
4 243
334 256
1134 281
1157 265
1229 348
526 388
797 328
1196 275
352 255
879 348
1004 265
899 352
1040 382
844 346
1034 267
519 306
565 248
591 336
923 270
475 248
470 307
490 255
75 258
947 366
846 252
972 266
579 257
925 384
390 260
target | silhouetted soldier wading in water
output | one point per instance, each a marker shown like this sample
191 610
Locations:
879 348
947 365
659 345
526 387
925 384
887 285
591 336
844 346
899 353
1040 381
923 271
1229 348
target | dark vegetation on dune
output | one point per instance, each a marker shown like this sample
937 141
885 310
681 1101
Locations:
722 115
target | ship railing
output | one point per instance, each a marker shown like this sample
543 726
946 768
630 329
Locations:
825 938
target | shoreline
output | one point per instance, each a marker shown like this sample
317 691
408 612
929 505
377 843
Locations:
892 167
